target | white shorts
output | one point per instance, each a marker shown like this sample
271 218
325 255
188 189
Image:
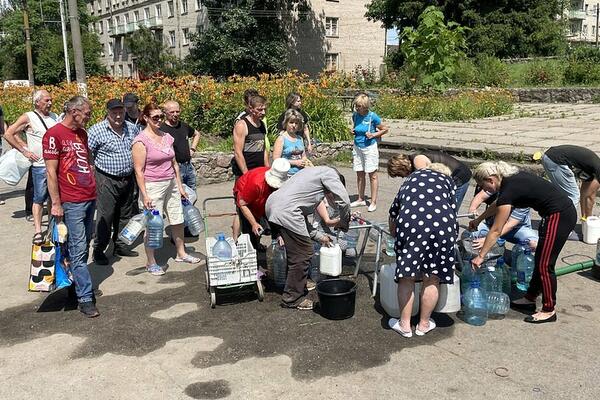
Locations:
165 198
365 159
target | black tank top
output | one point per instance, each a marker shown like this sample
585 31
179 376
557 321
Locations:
461 174
254 147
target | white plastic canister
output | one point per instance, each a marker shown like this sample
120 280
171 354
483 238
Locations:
330 260
388 292
449 298
591 230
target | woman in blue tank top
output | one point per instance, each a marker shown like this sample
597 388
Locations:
289 145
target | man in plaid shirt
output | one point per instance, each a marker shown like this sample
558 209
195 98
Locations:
110 146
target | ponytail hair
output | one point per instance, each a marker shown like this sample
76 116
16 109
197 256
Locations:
499 169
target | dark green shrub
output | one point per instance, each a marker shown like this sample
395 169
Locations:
543 73
491 71
466 73
582 72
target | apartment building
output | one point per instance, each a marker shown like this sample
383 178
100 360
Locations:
582 26
333 35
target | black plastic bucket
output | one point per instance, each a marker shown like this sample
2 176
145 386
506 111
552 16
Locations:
337 298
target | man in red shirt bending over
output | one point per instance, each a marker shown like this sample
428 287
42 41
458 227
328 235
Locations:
251 192
72 188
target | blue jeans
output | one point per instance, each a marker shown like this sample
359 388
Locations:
79 218
521 234
460 193
40 185
563 177
188 174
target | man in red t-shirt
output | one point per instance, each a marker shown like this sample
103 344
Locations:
251 192
72 188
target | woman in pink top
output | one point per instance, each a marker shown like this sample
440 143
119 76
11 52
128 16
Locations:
157 176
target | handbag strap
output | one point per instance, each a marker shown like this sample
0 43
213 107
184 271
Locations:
41 120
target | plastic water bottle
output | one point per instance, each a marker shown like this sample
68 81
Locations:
279 264
506 281
389 245
352 235
492 279
192 218
314 271
498 303
222 249
134 227
476 312
467 238
517 250
155 227
525 266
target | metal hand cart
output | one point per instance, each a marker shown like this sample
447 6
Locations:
380 232
238 272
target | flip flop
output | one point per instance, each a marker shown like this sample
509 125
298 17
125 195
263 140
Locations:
38 239
188 259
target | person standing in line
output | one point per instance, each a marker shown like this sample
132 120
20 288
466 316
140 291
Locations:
132 110
35 124
110 143
72 188
564 165
289 145
294 102
367 129
3 128
157 175
521 189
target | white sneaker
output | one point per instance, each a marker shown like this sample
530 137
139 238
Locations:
372 207
394 323
358 203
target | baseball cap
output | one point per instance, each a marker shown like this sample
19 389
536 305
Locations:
114 103
130 98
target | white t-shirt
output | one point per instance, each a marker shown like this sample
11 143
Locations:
36 131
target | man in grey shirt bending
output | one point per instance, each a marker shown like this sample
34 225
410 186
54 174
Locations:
287 210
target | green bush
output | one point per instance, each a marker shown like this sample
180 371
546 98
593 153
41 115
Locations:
543 73
463 106
466 73
491 71
582 73
585 52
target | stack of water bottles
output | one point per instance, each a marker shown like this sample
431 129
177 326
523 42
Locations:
485 290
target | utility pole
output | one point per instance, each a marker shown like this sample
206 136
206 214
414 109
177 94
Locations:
597 18
77 49
63 25
28 44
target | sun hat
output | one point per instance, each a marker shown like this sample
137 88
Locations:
278 173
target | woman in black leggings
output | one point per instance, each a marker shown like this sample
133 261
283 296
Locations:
522 189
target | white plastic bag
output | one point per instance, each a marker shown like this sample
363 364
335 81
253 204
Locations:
13 167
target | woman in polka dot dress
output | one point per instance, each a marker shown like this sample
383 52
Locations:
423 218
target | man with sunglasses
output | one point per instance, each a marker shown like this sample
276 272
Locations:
110 146
72 187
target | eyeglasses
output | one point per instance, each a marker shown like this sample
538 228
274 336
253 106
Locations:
157 118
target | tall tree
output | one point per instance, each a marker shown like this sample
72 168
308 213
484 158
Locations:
244 37
46 42
503 28
151 53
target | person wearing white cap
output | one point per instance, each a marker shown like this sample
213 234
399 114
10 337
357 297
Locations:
251 191
287 210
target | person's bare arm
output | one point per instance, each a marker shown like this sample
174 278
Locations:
478 199
588 197
139 163
381 130
309 146
491 210
502 215
240 131
52 176
256 228
195 141
421 161
13 138
278 147
182 191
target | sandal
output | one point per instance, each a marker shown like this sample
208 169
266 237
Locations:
38 239
188 259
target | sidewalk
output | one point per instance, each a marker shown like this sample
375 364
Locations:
158 338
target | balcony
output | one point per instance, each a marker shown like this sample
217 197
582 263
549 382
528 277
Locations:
577 14
130 27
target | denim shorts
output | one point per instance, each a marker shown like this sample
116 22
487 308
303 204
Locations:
40 185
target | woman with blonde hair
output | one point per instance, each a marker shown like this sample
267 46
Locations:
367 129
289 144
422 220
521 189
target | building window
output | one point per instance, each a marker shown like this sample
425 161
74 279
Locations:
102 50
198 5
331 61
129 70
147 13
593 29
126 18
109 25
172 38
120 70
107 4
171 8
110 49
117 20
186 34
112 70
158 10
184 6
99 5
331 26
136 16
584 30
100 28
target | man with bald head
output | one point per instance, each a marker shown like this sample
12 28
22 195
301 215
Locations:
182 133
35 124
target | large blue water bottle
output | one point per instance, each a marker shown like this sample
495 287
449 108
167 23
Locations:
492 278
517 250
498 303
222 249
525 267
192 218
506 281
154 229
476 312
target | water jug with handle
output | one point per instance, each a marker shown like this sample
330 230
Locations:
330 260
192 218
134 227
388 292
591 229
476 312
525 267
222 249
449 297
517 250
278 264
154 230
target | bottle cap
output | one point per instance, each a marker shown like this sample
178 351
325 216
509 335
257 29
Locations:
155 212
220 236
